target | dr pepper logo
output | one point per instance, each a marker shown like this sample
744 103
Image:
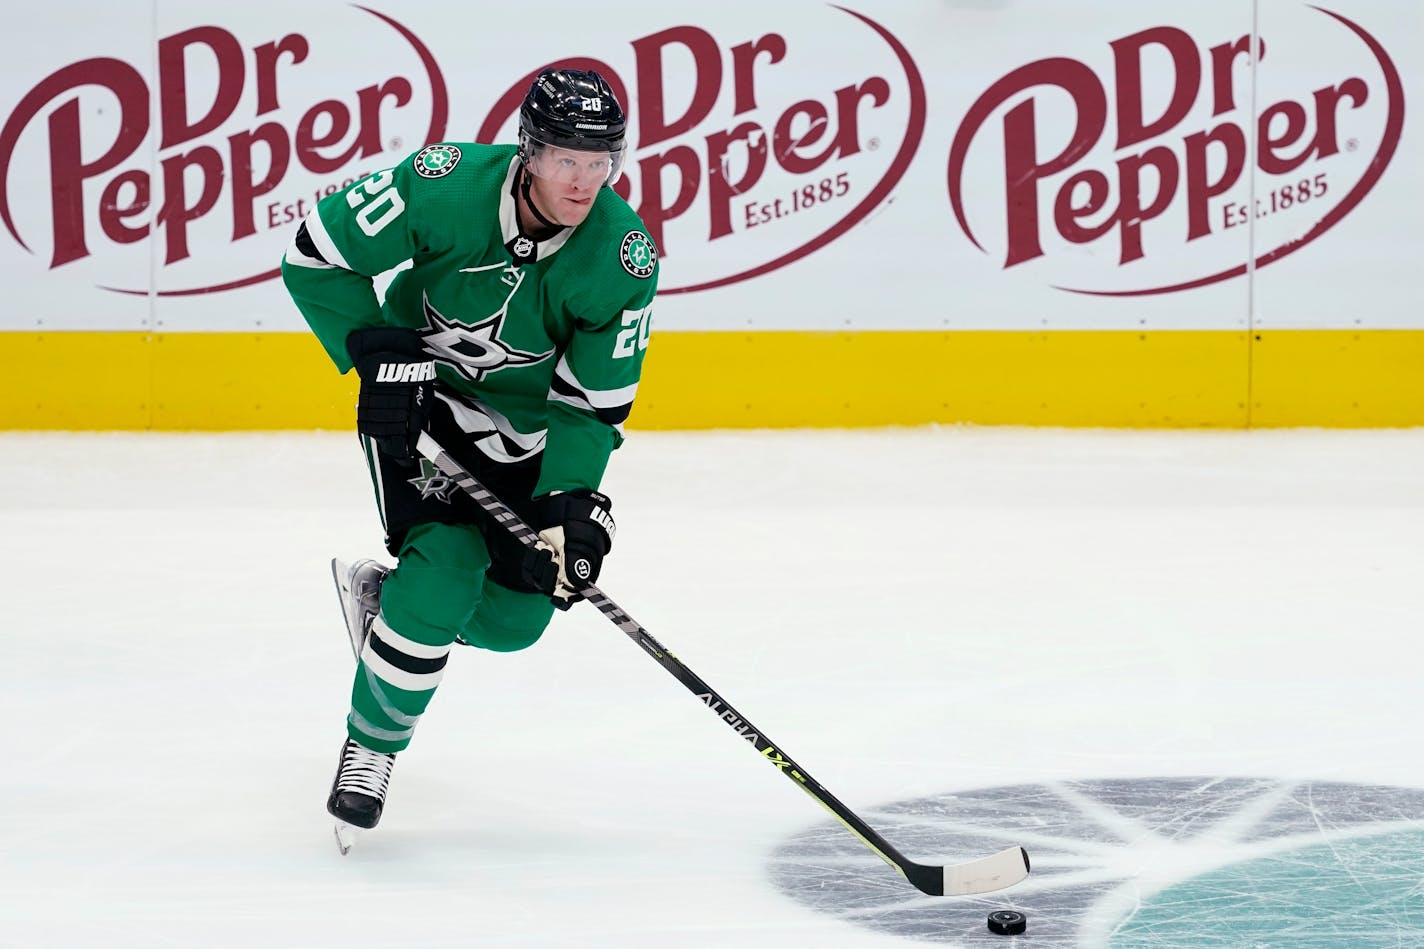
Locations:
106 175
1141 169
755 143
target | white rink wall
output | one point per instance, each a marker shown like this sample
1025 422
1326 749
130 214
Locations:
967 147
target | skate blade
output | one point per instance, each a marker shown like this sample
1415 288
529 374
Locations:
346 836
339 572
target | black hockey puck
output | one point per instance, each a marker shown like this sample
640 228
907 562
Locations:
1006 922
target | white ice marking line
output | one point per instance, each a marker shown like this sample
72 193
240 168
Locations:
1128 829
1249 816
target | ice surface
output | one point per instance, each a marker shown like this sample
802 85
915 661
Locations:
1182 669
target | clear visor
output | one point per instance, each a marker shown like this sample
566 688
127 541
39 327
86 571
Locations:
573 166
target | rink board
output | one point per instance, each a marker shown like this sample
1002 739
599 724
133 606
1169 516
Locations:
1029 213
698 380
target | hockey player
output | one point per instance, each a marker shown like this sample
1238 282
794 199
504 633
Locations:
516 338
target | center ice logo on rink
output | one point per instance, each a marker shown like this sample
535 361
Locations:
752 147
1132 171
250 133
1143 863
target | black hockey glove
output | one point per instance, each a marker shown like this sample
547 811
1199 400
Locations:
578 532
397 387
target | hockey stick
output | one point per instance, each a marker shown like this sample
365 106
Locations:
984 875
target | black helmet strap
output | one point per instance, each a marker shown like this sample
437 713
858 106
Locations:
523 186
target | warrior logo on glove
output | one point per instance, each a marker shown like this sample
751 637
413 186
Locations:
397 374
576 532
405 372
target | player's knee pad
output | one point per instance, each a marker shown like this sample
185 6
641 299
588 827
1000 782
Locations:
436 587
507 620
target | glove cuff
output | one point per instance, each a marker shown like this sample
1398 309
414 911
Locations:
556 510
385 339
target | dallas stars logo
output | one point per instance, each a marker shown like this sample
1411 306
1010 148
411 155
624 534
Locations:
473 350
432 482
638 255
436 161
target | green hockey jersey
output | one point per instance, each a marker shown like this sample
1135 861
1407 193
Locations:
538 344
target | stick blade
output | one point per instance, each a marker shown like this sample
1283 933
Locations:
986 874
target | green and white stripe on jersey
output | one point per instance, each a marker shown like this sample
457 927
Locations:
395 681
611 406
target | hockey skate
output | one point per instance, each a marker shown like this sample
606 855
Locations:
358 586
358 793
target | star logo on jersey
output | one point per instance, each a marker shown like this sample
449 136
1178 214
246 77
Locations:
473 350
638 255
432 482
436 161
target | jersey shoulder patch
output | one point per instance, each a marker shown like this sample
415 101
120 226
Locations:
436 161
638 255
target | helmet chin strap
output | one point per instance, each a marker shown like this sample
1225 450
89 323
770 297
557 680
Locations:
529 200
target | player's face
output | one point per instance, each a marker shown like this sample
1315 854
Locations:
566 182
